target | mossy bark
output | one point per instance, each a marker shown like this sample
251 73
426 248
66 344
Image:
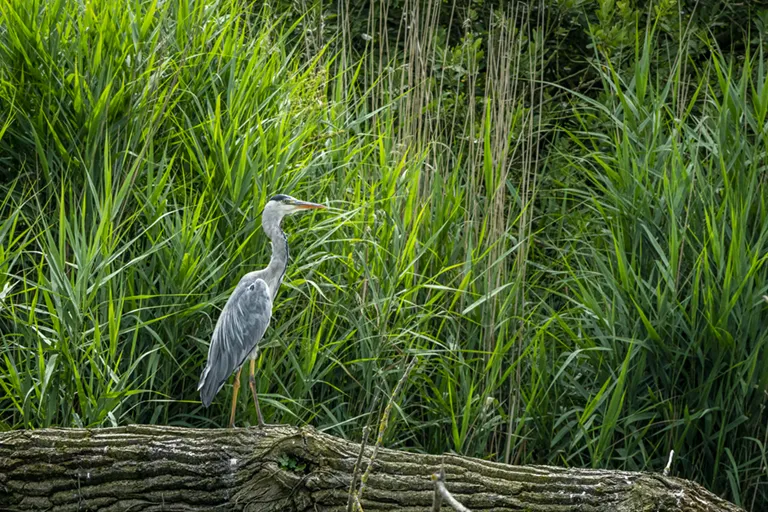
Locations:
283 468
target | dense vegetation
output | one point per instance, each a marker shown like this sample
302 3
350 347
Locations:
561 209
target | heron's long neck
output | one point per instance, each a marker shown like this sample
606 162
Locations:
279 261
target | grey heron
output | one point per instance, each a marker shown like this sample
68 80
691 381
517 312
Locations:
245 317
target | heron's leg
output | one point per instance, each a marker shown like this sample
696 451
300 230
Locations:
234 398
252 383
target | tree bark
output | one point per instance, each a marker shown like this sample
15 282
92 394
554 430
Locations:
282 468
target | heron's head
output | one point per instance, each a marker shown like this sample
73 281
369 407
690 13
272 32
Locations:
280 206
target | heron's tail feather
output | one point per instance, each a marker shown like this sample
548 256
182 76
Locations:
208 387
202 378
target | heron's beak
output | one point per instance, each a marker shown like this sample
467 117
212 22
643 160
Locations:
303 205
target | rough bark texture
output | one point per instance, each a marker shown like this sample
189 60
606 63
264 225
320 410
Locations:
285 468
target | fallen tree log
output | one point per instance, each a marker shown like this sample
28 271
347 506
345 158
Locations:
282 468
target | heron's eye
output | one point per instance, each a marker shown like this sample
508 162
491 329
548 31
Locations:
251 287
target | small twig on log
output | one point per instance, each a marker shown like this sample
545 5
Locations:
437 498
382 427
353 503
356 470
441 493
669 463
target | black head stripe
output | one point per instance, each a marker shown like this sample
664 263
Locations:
279 197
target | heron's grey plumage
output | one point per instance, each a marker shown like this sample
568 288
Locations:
240 327
246 315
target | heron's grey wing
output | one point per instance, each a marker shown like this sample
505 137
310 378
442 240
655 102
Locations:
239 329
